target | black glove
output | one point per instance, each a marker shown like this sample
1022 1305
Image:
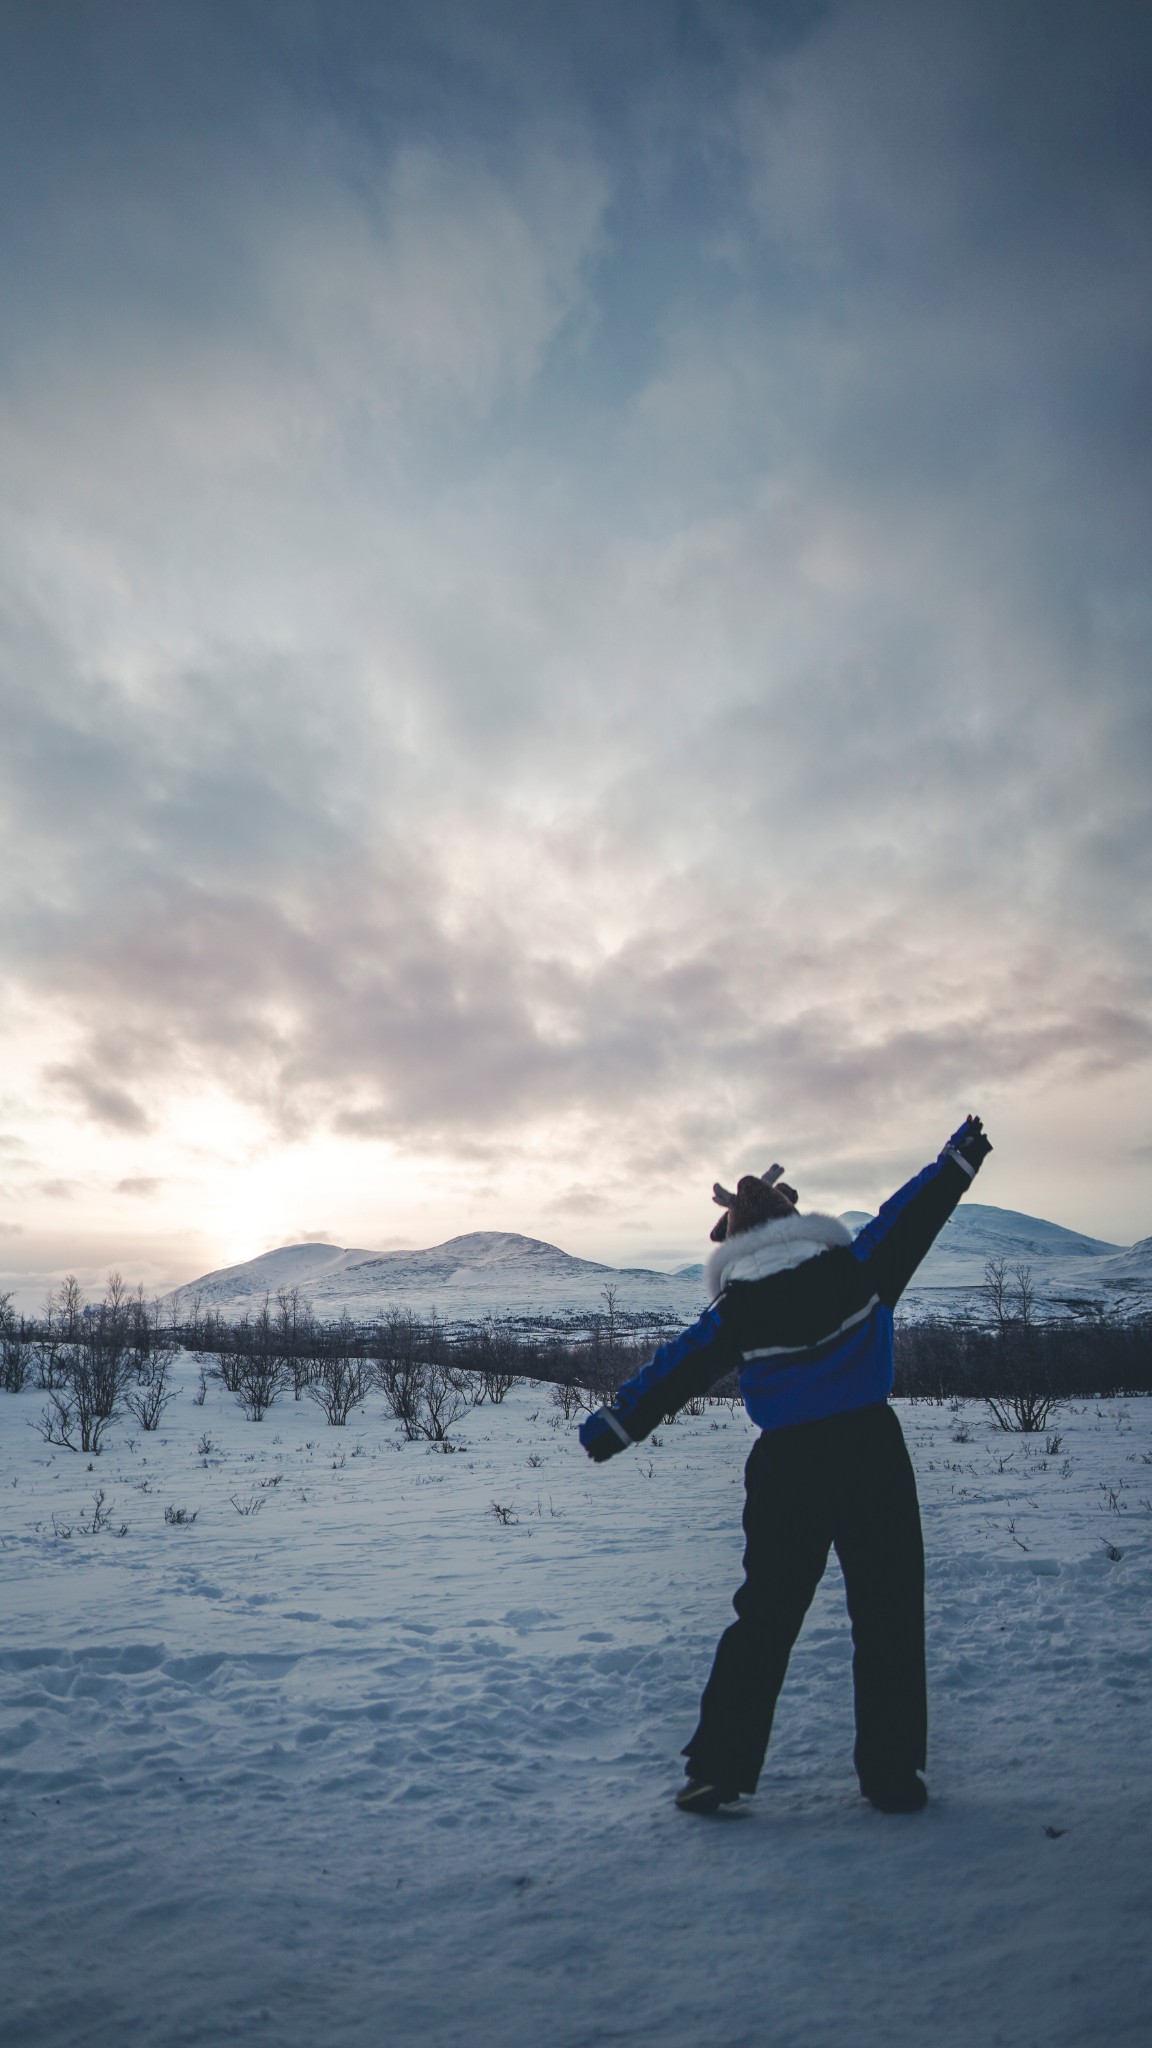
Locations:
599 1438
968 1145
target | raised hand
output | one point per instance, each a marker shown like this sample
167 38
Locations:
968 1145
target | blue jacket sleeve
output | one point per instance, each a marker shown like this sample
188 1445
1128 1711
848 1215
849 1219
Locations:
908 1224
686 1366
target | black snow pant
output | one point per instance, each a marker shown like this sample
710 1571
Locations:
846 1481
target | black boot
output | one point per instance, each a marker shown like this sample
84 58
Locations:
695 1796
901 1795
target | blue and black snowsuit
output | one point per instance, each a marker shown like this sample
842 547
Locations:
803 1313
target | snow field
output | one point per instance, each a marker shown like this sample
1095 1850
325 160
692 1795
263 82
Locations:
350 1758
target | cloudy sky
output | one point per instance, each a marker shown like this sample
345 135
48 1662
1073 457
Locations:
574 615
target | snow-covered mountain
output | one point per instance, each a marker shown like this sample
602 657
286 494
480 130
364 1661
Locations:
1131 1266
486 1272
1066 1266
977 1233
496 1272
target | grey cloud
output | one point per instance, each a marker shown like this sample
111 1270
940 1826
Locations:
580 1201
139 1184
98 1095
373 1020
537 594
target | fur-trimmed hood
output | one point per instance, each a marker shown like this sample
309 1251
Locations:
772 1247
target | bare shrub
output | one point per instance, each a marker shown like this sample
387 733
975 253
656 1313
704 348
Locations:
253 1368
153 1390
16 1353
59 1424
17 1358
1025 1412
228 1360
607 1358
444 1399
58 1326
100 1519
97 1367
48 1368
260 1382
1025 1398
399 1368
423 1389
495 1384
569 1399
70 1308
340 1380
298 1337
492 1356
1065 1358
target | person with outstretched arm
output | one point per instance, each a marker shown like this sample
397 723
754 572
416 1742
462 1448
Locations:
802 1311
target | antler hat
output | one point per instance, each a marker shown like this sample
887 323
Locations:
756 1200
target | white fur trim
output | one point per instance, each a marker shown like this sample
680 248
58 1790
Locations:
773 1247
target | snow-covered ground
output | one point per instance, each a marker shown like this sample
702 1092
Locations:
371 1764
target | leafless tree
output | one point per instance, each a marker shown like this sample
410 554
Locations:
250 1360
1023 1296
423 1389
1026 1411
1027 1399
1010 1293
340 1377
16 1352
443 1400
153 1390
570 1398
342 1384
399 1367
995 1290
492 1359
72 1307
297 1336
97 1368
48 1345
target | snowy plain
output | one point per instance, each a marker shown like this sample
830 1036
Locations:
353 1758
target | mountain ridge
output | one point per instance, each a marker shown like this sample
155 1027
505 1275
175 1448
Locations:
493 1272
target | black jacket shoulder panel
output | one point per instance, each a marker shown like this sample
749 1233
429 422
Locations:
800 1306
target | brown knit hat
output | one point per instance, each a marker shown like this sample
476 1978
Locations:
755 1201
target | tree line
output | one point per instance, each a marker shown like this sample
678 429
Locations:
1019 1359
97 1360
